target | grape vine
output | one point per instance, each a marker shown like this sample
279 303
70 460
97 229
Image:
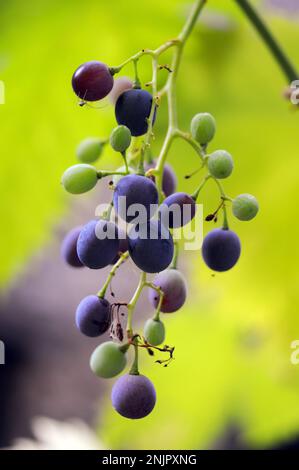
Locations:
149 183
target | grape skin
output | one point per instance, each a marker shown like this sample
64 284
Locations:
69 248
149 254
107 360
154 332
174 287
92 81
133 396
221 249
93 316
132 109
181 207
137 190
93 252
89 149
79 179
120 85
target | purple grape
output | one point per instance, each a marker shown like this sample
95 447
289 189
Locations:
221 249
92 81
174 287
180 207
133 108
96 253
93 316
133 396
69 248
135 189
123 245
151 246
169 180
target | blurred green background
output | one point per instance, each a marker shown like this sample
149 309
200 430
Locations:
232 364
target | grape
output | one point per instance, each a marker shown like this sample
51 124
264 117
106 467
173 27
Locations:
154 332
120 139
92 81
203 128
90 149
96 253
177 209
132 109
245 207
121 84
117 178
137 190
169 180
220 164
78 179
174 287
69 248
133 396
150 246
221 249
123 244
108 360
93 316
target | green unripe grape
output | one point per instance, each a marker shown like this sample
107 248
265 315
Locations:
245 207
203 128
78 179
108 360
90 149
154 332
120 139
220 164
116 178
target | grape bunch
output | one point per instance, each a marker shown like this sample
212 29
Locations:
150 183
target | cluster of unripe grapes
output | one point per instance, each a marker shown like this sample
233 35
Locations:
133 395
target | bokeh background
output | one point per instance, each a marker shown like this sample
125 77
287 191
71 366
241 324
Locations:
232 384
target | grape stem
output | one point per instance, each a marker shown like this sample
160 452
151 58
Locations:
123 256
161 294
104 173
133 302
279 55
174 261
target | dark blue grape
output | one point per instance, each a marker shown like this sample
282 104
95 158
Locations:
173 285
181 209
96 253
69 248
92 81
151 246
133 396
169 180
93 316
132 109
221 249
135 189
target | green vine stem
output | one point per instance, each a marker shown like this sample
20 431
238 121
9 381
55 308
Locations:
134 369
174 261
282 60
158 289
101 294
133 302
173 130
